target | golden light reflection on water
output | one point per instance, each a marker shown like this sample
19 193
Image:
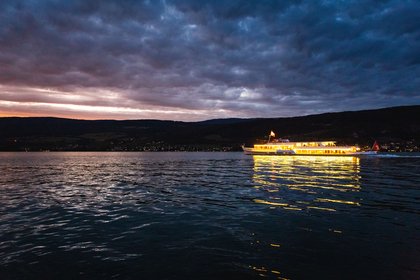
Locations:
307 185
265 272
307 182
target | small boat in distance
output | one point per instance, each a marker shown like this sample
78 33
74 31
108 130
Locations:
313 148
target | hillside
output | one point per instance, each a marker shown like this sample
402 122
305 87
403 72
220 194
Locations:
396 128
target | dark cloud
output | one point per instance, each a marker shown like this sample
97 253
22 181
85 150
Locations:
206 59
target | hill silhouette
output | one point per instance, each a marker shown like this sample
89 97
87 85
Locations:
397 127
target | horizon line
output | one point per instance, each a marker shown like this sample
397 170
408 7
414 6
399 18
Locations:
236 118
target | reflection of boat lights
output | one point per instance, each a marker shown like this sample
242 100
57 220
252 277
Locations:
337 201
265 272
306 182
321 208
270 203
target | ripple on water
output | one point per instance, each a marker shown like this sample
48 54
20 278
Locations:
211 215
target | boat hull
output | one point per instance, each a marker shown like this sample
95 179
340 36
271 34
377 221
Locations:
252 151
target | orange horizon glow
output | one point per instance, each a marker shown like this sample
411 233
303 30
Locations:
40 115
95 104
91 112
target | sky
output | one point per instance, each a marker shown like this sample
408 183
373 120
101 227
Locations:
195 60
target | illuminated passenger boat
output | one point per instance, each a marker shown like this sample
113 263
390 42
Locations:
286 147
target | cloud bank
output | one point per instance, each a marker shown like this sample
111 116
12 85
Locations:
196 60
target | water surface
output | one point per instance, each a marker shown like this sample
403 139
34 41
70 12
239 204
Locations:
208 216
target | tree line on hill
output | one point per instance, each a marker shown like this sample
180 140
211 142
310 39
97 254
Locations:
396 129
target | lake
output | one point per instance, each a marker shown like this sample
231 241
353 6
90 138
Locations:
100 215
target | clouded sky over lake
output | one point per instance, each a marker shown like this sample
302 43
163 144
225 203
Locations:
197 60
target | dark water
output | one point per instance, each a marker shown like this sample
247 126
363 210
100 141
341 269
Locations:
208 216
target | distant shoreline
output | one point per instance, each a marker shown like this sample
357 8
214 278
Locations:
396 130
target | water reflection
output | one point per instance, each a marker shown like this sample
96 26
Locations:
307 182
265 272
211 215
